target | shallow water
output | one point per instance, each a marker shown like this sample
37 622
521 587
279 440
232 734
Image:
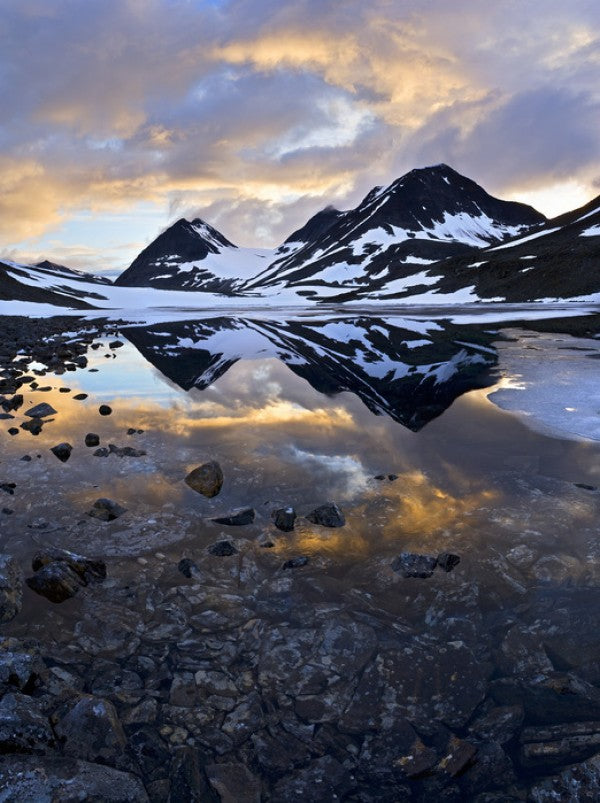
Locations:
299 413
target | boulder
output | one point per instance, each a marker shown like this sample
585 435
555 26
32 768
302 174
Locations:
56 581
91 439
23 726
206 479
11 588
284 519
237 518
222 549
106 510
62 451
42 410
327 515
91 730
104 409
409 564
87 568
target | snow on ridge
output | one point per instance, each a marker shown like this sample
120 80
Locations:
525 239
593 231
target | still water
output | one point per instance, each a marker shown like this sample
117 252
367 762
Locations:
392 420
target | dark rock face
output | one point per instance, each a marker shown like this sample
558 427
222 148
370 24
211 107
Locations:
284 519
11 588
62 451
60 779
327 515
91 731
578 783
409 564
237 518
207 479
23 726
106 510
222 549
42 410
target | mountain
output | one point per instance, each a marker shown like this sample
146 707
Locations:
557 260
428 215
409 370
49 283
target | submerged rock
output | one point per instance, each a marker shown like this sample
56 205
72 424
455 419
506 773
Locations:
577 783
87 568
237 518
125 451
91 730
327 515
409 564
41 410
207 479
447 561
11 588
62 451
234 782
284 519
223 549
91 439
23 726
56 581
295 563
106 510
34 426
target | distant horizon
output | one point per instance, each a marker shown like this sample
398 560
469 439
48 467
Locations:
120 117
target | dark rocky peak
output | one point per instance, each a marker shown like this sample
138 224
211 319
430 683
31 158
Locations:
316 226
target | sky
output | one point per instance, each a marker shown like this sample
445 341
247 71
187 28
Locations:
120 116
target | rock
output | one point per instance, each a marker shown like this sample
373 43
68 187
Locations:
409 564
8 487
34 426
284 519
322 781
12 404
327 515
62 451
106 510
447 561
91 731
188 782
115 344
222 549
379 477
104 409
234 783
91 439
11 588
45 779
55 581
392 477
498 724
23 726
13 431
550 699
26 458
265 541
391 756
295 563
101 452
585 487
207 479
557 745
42 410
86 568
579 783
82 397
459 755
21 667
236 518
125 451
7 511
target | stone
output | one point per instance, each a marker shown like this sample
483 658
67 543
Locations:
62 451
13 431
11 588
21 666
56 581
327 515
45 779
42 410
322 781
409 564
104 409
91 439
188 782
91 730
234 783
101 452
8 488
12 404
115 344
34 426
295 563
550 699
86 568
447 561
106 510
498 723
222 549
125 451
558 745
207 479
579 783
284 519
265 541
187 567
237 518
82 397
460 754
23 726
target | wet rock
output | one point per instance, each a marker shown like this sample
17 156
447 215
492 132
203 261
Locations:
7 511
491 770
379 477
585 487
62 451
23 726
409 564
101 452
279 752
91 730
207 479
234 783
188 782
42 410
104 409
521 556
11 588
324 780
82 397
34 426
26 458
265 541
8 487
55 581
550 699
125 451
576 784
447 561
459 755
12 404
86 568
295 563
236 518
134 431
187 567
392 477
106 510
558 745
222 549
115 344
498 723
144 713
91 439
36 778
284 519
21 666
6 417
327 515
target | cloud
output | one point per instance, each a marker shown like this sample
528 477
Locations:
258 114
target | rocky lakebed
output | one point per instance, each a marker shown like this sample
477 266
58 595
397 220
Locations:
262 588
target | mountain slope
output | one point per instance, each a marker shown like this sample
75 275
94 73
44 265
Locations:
48 283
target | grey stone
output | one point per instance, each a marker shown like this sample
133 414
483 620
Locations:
23 726
558 745
237 518
106 510
91 731
56 581
409 564
42 410
91 439
104 409
11 588
234 783
579 783
327 515
86 568
222 549
284 519
447 561
62 451
295 563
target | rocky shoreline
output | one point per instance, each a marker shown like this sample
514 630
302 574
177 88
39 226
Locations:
232 672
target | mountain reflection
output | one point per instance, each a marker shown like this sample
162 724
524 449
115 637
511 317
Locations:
407 369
